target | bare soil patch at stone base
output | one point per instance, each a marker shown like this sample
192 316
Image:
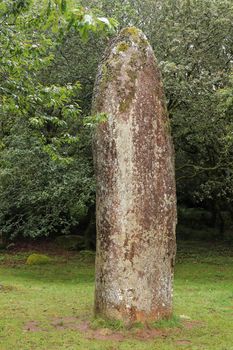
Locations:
63 323
6 288
33 326
143 334
108 334
192 324
183 342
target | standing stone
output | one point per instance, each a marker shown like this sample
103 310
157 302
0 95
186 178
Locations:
136 201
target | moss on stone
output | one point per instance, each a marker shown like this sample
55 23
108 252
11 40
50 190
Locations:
38 259
133 31
111 68
136 34
122 46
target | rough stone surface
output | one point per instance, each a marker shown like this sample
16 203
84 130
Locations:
136 201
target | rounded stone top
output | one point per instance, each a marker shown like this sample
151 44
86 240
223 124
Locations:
134 35
130 37
126 56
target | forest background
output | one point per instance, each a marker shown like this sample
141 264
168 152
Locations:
49 54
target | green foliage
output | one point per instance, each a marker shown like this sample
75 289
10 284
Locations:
38 259
93 120
46 176
49 53
40 196
50 110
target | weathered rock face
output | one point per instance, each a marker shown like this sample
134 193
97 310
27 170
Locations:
136 202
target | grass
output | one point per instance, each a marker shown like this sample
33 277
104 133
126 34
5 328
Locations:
39 303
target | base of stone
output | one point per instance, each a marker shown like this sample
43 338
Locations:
133 315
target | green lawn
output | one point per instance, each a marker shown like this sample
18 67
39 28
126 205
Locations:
47 307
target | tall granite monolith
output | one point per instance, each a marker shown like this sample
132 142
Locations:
136 200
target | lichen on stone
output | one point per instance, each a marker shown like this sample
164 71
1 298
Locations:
132 31
130 46
136 35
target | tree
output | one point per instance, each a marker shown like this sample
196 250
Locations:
42 144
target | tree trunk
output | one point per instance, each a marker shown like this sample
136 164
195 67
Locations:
136 202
